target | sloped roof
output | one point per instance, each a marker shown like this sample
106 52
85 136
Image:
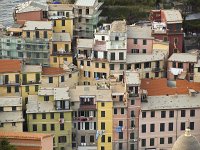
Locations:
173 16
23 135
52 71
118 26
39 25
141 32
183 57
88 3
8 66
59 7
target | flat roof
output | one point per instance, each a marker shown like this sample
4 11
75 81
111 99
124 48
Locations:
31 6
10 101
139 58
52 71
61 37
37 25
85 43
60 7
31 68
9 66
88 3
139 32
183 57
132 77
11 116
61 93
24 135
171 102
118 26
173 16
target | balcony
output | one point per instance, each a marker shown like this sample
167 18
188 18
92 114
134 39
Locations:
61 53
131 94
84 118
30 82
88 107
9 83
156 69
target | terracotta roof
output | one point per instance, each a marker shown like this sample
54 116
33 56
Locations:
52 71
10 66
156 87
24 135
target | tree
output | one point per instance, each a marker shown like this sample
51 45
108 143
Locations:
5 145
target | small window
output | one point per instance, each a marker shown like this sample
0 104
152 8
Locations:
52 115
121 67
144 42
191 125
152 114
144 128
96 65
162 141
103 113
91 139
182 126
63 22
162 127
171 113
103 125
192 113
170 140
103 65
62 127
14 108
102 104
122 110
8 89
44 127
152 127
103 38
112 67
55 59
132 102
62 78
43 116
109 139
143 114
46 98
163 114
34 116
151 141
121 135
144 51
50 79
182 113
116 38
115 110
143 143
103 138
52 127
88 63
171 126
135 41
34 127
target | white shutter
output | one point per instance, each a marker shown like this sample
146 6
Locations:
66 104
58 104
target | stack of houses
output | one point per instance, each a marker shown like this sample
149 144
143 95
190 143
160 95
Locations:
108 87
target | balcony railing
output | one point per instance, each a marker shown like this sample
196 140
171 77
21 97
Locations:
88 107
131 94
83 118
30 82
61 53
9 83
156 69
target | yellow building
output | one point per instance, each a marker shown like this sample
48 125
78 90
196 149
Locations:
11 116
105 120
30 81
60 77
61 49
10 77
49 112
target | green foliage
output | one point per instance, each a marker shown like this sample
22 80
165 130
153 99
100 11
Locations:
5 145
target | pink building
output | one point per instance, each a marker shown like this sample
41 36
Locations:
30 11
139 39
167 26
181 66
167 112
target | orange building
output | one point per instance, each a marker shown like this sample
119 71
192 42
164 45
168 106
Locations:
29 141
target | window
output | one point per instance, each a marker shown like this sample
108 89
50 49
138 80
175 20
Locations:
55 59
182 113
116 38
102 104
120 135
121 67
44 127
151 141
165 38
171 113
36 88
121 56
27 88
192 113
14 108
103 125
13 123
162 141
144 128
121 123
52 115
135 41
102 113
163 114
132 124
120 146
156 74
88 63
132 113
147 75
152 127
62 139
143 114
66 47
132 102
1 109
82 139
103 138
34 116
43 116
152 114
102 148
147 65
198 69
52 127
46 98
112 67
182 125
191 125
132 135
115 110
103 65
28 34
45 34
63 22
37 35
112 56
34 127
54 23
61 115
170 126
174 64
134 50
109 139
180 65
144 51
91 138
50 79
8 89
62 78
96 65
144 42
122 110
170 140
1 125
103 38
62 127
16 89
143 144
162 127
